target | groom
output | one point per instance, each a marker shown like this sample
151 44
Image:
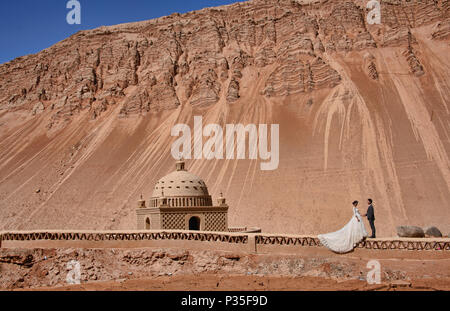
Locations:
371 218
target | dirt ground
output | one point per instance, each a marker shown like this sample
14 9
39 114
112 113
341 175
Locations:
252 283
169 269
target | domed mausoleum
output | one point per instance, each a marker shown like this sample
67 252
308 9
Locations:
181 201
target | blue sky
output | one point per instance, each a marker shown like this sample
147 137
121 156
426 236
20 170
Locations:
29 26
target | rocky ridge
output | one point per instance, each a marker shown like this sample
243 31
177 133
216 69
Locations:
197 58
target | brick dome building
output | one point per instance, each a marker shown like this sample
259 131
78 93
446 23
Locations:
180 201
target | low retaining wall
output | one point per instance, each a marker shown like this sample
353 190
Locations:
250 242
244 230
136 239
268 242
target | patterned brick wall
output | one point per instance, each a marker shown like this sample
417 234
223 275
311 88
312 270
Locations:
216 222
174 221
177 220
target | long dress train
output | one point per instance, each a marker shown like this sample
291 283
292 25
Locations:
346 239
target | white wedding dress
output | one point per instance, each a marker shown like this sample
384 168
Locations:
345 240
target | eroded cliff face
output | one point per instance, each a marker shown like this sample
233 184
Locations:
363 112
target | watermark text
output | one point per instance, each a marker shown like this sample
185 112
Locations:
235 142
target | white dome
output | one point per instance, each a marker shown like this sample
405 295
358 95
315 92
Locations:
180 184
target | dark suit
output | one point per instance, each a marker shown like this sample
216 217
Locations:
371 219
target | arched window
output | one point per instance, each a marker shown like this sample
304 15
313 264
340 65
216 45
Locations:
194 223
147 223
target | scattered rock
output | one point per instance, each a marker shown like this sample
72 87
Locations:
233 91
399 283
370 66
415 65
410 232
433 232
441 30
38 108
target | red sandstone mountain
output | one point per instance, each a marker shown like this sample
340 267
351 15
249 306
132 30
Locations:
363 112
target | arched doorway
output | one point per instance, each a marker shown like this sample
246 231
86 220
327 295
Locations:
147 224
194 223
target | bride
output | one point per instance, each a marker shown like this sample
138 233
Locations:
346 239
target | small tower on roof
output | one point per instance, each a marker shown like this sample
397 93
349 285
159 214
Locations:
221 200
180 165
141 202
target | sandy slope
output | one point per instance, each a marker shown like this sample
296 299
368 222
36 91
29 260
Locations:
340 140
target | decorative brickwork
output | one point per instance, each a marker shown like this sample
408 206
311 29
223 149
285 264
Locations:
173 221
126 236
381 244
243 238
216 222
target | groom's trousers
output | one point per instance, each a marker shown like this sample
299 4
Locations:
372 226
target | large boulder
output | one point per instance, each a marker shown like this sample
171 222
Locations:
433 232
410 232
